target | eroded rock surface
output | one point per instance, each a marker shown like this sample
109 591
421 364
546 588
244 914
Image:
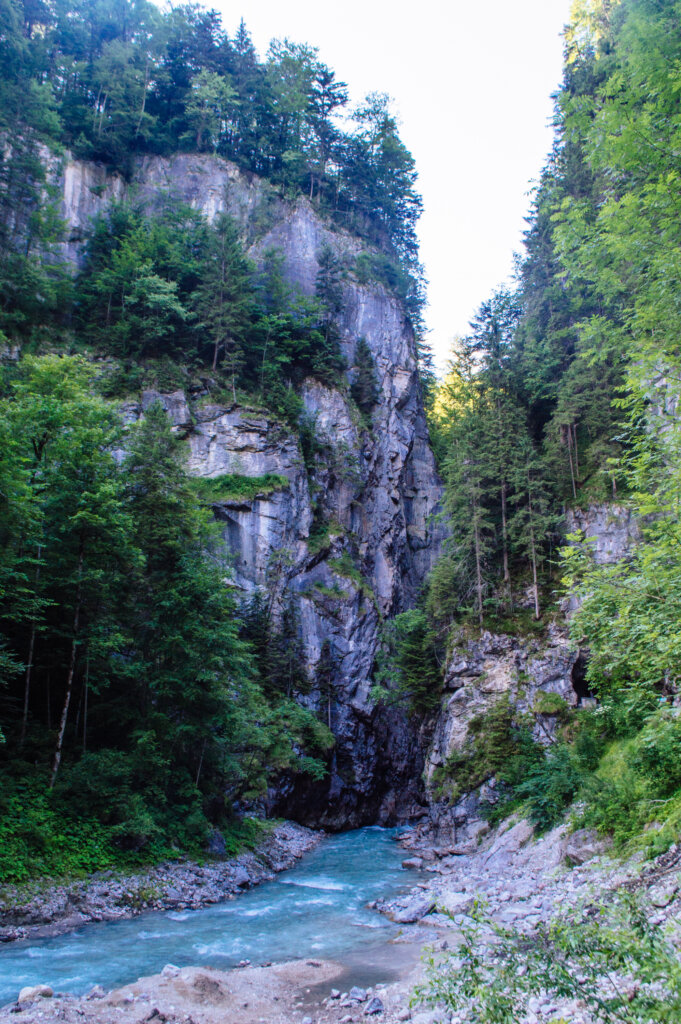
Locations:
374 490
536 675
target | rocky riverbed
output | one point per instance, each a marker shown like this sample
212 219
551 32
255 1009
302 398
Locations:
41 910
523 880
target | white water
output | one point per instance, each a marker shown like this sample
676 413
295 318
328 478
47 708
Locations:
317 908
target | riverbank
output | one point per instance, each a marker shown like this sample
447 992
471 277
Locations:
523 880
49 908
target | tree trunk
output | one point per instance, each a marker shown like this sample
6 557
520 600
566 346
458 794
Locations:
29 664
144 95
504 532
533 549
72 669
27 685
478 567
87 686
198 770
572 468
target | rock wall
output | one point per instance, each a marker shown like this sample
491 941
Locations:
524 669
479 673
376 488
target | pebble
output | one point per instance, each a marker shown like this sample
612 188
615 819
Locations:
374 1006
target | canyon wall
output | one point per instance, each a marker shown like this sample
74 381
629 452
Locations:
375 488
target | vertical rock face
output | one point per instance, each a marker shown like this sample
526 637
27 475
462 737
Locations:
369 498
538 678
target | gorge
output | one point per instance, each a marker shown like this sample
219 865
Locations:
262 571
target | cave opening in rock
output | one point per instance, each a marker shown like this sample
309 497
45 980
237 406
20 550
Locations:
579 681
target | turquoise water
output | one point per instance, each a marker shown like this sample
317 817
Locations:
316 909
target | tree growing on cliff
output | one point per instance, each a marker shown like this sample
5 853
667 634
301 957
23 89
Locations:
364 388
224 300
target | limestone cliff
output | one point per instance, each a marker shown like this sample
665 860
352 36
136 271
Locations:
529 671
376 488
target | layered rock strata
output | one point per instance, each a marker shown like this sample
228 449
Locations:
374 490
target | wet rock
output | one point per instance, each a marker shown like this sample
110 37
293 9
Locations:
413 911
413 862
241 876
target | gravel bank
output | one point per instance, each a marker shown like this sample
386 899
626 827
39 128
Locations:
53 908
523 880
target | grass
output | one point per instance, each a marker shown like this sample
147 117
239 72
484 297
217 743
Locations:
322 534
237 487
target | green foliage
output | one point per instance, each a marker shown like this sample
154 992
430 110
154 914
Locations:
37 839
114 83
636 783
236 487
499 743
130 688
409 669
579 955
550 785
364 387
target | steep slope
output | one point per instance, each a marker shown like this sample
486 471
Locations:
371 493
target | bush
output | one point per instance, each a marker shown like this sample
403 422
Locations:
550 786
569 958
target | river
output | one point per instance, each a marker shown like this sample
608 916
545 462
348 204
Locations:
316 909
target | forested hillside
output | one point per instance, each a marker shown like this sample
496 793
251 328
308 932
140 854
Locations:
143 699
565 397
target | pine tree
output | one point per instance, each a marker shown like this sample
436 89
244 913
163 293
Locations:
364 388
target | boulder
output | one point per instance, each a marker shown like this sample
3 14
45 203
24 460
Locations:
216 844
33 992
414 911
583 846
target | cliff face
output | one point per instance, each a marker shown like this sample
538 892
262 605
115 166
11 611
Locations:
538 676
376 489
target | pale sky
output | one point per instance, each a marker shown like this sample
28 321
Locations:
472 83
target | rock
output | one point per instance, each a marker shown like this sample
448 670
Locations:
662 895
413 911
456 902
216 844
583 846
306 1020
389 474
242 877
359 995
96 992
334 994
33 992
413 862
374 1006
170 971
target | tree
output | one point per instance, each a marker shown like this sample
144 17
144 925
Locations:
364 388
223 303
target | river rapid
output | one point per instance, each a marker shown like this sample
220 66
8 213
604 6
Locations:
315 909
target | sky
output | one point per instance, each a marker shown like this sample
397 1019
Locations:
472 83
